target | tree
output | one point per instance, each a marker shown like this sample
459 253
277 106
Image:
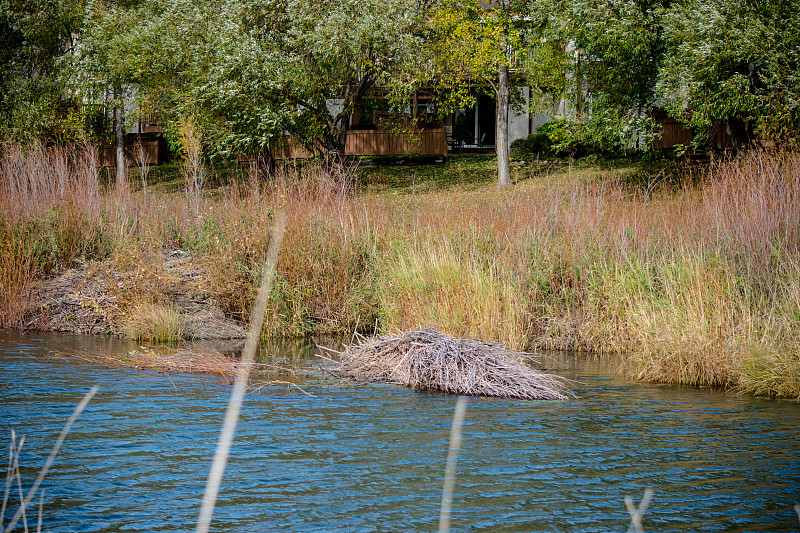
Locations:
252 71
104 65
34 36
735 62
324 56
601 58
703 60
471 43
152 57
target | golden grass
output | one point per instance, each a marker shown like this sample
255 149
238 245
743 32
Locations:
692 274
154 323
430 282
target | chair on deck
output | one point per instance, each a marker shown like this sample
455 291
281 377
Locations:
453 144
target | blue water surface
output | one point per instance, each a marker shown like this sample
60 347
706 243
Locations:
371 457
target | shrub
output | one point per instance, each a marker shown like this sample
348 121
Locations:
571 137
535 145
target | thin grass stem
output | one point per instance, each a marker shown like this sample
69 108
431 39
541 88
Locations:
452 460
240 385
19 486
9 478
56 447
636 514
41 509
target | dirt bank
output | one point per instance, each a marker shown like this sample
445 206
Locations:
96 298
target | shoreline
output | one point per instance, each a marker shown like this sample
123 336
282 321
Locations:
695 278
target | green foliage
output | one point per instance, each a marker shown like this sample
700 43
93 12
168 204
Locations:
323 54
600 59
533 146
251 71
571 137
704 60
33 38
736 62
468 43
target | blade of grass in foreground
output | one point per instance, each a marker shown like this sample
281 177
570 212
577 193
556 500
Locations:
52 457
450 469
637 513
240 385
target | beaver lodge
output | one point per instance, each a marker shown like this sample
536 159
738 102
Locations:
428 359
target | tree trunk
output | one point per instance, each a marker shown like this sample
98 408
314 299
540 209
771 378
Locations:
503 92
334 142
341 140
119 127
265 162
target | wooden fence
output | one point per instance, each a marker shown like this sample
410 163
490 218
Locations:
673 133
107 154
431 141
378 142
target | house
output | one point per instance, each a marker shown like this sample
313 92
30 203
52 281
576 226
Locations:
143 133
370 131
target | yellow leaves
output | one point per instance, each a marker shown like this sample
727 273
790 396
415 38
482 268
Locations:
468 40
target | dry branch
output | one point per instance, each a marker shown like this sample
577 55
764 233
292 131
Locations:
428 359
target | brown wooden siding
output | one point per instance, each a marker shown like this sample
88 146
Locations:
377 142
719 136
673 133
432 141
107 154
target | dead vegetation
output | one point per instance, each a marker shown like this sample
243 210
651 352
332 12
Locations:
183 360
428 359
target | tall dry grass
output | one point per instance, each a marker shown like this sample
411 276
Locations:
155 323
193 167
37 178
693 277
695 283
322 284
459 288
49 217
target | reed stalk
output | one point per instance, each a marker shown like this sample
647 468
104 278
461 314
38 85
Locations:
637 513
242 376
452 460
140 154
193 169
24 502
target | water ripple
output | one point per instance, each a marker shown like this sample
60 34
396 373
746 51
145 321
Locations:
370 458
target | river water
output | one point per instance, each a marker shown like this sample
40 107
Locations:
372 457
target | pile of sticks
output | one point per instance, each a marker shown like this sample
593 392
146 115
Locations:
428 359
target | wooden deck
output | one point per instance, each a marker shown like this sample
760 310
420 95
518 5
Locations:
107 154
378 142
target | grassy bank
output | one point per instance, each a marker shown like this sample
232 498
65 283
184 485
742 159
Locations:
691 275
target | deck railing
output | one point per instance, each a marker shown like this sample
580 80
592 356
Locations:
431 141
